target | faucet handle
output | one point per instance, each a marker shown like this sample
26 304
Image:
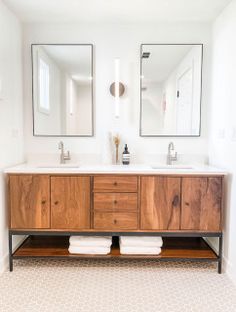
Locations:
67 156
175 156
172 152
60 145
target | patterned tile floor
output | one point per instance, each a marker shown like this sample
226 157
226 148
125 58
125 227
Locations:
115 286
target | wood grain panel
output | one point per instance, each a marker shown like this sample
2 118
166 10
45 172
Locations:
115 184
115 201
160 203
201 203
70 202
115 221
29 201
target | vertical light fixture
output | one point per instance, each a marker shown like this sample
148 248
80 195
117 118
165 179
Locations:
117 88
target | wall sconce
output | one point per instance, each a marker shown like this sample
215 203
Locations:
117 88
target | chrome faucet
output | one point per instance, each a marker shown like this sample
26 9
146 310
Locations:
170 156
63 156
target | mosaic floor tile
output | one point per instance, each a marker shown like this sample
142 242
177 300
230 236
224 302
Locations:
115 286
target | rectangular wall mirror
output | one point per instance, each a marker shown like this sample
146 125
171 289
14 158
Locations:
170 82
62 77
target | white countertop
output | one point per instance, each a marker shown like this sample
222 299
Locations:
114 169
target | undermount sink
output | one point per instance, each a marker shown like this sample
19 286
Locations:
60 166
172 167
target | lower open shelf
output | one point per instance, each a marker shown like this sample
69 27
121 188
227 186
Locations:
173 248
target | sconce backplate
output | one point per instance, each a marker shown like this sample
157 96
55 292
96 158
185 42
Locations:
121 89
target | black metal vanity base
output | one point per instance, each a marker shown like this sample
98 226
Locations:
176 246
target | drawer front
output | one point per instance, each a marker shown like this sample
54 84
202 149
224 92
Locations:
115 184
115 201
115 221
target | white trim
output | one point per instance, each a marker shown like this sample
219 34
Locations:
227 266
229 270
4 264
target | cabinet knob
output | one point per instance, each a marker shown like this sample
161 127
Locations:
175 201
115 202
187 204
115 221
56 202
43 202
115 183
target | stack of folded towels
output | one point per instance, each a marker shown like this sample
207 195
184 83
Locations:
140 245
91 245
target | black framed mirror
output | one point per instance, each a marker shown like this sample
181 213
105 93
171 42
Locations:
62 89
170 90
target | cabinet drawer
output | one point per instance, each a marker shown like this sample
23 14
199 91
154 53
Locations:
115 201
115 221
115 184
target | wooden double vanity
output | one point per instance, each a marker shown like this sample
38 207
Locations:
182 207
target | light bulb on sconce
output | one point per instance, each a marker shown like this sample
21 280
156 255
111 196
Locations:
117 88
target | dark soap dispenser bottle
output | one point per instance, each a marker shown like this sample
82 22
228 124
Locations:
126 156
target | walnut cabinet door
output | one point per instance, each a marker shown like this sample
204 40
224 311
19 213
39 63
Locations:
29 201
201 203
160 203
181 203
70 203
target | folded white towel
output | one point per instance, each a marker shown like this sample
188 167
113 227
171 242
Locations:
142 241
94 241
140 250
89 250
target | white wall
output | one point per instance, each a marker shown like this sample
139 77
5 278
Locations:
11 109
223 116
111 41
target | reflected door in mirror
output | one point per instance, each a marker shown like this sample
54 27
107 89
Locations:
170 78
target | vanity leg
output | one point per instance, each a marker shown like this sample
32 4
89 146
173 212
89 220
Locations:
10 253
220 253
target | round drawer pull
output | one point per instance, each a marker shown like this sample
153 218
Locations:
43 202
115 202
56 202
115 183
115 221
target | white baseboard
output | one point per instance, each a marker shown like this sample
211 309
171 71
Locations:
227 266
229 270
4 262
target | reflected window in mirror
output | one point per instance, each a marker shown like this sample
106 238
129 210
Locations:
43 86
170 79
62 89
